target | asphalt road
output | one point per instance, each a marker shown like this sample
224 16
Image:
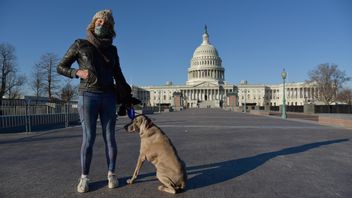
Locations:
227 155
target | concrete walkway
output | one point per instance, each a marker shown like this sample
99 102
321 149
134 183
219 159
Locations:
227 155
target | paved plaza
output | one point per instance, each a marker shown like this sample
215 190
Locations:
227 154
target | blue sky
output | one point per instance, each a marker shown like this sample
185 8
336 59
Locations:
156 38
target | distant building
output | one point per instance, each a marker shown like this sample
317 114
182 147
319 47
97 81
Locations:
296 94
206 86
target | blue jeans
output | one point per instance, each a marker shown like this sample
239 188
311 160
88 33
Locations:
90 106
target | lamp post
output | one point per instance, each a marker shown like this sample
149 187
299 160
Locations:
244 83
245 101
283 114
159 101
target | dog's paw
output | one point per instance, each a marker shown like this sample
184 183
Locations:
166 189
129 181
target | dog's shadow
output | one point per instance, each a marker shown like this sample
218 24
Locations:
210 174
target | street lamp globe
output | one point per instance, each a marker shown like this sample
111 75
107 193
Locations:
283 74
283 114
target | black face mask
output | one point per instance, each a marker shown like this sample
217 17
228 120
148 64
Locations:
101 31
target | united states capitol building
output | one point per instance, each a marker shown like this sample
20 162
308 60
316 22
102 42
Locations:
206 87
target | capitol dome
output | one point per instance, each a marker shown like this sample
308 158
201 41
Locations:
205 49
205 64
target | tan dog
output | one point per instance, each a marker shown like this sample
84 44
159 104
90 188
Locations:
157 148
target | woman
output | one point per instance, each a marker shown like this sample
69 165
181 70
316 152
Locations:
98 67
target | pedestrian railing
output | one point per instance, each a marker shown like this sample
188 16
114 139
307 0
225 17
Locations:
27 116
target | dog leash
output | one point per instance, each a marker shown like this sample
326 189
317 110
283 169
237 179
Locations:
132 113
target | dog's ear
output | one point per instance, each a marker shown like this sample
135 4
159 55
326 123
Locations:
141 127
146 124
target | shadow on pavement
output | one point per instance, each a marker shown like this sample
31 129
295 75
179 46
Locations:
211 174
215 173
94 186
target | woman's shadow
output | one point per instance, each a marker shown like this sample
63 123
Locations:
211 174
218 172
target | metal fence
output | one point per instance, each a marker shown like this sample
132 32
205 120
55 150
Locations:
339 108
346 109
298 109
26 115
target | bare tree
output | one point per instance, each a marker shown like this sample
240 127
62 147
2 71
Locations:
7 65
328 80
47 66
345 95
37 82
14 85
68 92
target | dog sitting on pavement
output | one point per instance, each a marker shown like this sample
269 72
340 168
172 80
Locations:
157 148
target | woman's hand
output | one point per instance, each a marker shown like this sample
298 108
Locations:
82 74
